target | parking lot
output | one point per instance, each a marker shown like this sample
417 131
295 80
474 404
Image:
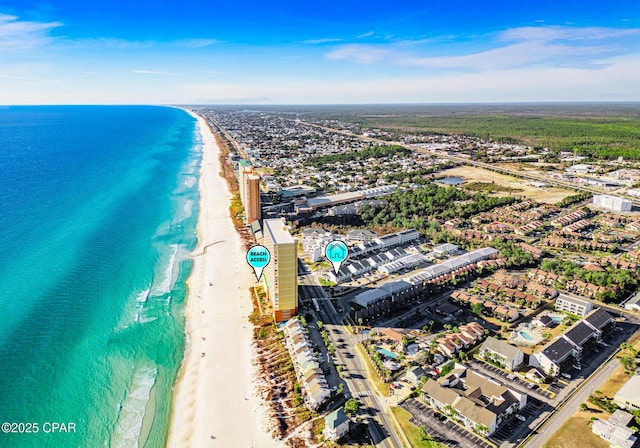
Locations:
513 430
441 428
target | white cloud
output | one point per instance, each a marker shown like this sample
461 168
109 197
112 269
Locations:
555 46
551 33
196 43
325 40
363 35
154 72
19 35
614 82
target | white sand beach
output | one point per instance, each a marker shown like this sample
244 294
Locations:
214 404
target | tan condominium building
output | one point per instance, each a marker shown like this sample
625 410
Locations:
249 182
281 274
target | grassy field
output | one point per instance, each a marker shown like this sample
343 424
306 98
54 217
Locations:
473 174
575 433
412 431
617 379
381 386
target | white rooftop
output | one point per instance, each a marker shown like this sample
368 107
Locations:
278 231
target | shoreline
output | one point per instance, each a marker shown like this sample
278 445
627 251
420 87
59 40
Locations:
214 399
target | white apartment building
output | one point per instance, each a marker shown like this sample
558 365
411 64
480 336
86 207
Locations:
613 203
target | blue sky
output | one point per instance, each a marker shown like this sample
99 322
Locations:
198 51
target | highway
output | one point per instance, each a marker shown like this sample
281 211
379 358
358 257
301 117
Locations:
373 408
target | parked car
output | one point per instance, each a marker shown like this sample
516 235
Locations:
532 386
566 376
522 418
511 377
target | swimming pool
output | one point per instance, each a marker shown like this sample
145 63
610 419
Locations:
387 353
527 336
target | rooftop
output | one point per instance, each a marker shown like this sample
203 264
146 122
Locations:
599 318
558 350
336 418
278 231
498 346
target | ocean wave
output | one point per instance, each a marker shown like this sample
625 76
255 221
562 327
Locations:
133 309
190 181
143 296
164 286
128 427
188 208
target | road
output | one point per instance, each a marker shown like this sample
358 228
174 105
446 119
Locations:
571 405
373 408
229 137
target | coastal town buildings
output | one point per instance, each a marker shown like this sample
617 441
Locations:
613 203
616 430
628 397
474 400
306 365
568 347
281 274
506 355
336 425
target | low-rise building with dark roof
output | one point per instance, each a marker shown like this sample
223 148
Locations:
558 354
568 347
580 335
600 321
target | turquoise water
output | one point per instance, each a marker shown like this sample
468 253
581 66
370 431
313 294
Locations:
526 335
98 207
387 353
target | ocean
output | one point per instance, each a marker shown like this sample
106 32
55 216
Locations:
98 211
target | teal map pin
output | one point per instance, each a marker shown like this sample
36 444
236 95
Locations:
258 258
336 252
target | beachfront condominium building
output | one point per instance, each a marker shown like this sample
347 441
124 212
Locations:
281 274
249 186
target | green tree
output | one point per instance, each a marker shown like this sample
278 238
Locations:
628 364
424 436
351 407
477 308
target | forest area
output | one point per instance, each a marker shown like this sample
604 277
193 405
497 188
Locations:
597 137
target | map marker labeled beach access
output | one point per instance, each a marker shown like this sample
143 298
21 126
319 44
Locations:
336 252
258 258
